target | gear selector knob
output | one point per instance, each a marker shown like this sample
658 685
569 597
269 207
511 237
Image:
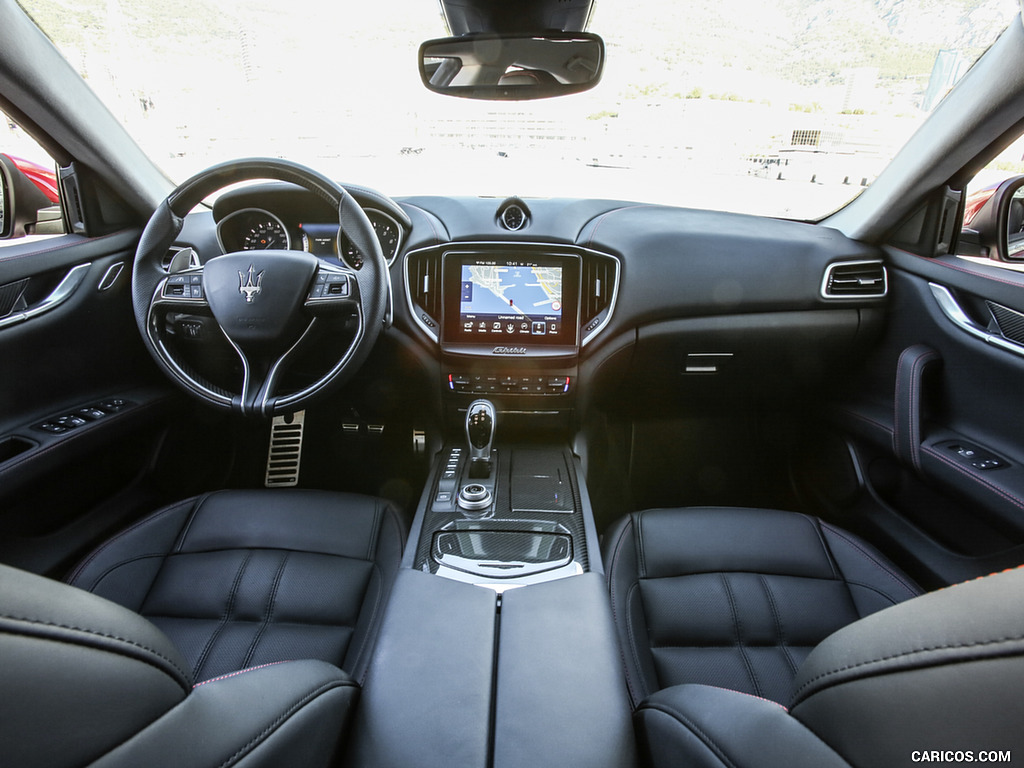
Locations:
480 423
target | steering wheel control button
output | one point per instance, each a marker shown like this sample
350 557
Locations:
175 287
183 286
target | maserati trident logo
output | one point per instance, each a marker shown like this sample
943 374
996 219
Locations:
508 351
247 287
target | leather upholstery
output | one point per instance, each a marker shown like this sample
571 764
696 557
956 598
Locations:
937 674
86 681
736 598
243 578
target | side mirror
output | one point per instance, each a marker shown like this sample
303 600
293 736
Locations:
23 206
5 217
512 67
999 223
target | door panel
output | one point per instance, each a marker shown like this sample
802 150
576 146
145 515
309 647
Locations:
82 408
932 433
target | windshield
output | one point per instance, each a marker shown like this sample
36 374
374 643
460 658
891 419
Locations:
777 107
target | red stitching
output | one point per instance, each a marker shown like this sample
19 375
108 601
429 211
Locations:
239 672
991 486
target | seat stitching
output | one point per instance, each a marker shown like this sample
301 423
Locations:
707 740
630 633
177 547
180 543
372 624
815 524
613 592
371 545
225 617
242 751
77 573
904 654
870 557
97 633
239 672
782 644
271 605
739 635
719 646
641 558
388 515
876 590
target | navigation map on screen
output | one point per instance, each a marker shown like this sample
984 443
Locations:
511 299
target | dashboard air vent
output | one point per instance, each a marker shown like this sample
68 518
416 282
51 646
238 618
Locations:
599 279
423 273
854 280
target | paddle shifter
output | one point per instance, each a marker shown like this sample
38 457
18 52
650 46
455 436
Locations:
480 423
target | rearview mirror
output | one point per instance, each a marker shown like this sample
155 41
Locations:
512 67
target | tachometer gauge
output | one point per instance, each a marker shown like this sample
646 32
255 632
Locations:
388 234
265 234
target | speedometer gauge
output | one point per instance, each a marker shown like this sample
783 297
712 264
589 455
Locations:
252 229
265 234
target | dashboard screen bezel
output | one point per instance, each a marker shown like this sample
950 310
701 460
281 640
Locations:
455 339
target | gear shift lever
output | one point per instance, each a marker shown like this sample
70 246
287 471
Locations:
480 423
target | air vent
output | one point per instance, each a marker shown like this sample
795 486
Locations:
423 279
513 214
598 284
854 280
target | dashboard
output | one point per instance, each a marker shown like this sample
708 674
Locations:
547 304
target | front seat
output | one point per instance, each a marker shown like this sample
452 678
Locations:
736 598
239 579
933 680
84 681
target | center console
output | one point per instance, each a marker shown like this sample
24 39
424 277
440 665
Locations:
497 648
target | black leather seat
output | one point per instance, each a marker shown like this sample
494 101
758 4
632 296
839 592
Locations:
84 681
933 680
238 579
736 598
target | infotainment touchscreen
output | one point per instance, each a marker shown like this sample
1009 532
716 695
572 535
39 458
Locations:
512 300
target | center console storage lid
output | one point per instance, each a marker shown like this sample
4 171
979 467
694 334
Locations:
561 696
426 701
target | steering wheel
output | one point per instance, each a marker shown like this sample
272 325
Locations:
265 303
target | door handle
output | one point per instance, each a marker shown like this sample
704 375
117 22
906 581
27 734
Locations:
64 291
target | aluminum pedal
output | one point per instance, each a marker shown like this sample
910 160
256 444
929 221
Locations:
285 452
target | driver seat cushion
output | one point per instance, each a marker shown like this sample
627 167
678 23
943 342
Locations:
238 579
734 597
